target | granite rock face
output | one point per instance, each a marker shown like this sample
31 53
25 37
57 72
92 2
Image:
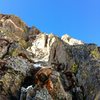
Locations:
71 41
39 66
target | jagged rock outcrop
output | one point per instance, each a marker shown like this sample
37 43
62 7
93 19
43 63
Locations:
41 47
71 41
39 66
15 62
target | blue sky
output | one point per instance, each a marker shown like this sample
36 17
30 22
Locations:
78 18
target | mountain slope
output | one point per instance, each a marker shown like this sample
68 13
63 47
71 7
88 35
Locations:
57 68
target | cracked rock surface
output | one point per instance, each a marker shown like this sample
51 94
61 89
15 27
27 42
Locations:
39 66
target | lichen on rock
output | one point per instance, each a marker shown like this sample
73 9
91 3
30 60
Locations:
39 66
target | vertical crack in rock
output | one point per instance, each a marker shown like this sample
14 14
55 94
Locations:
46 40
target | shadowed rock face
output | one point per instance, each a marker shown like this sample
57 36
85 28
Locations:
15 62
61 69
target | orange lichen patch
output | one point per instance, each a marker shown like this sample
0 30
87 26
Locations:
46 71
49 85
43 78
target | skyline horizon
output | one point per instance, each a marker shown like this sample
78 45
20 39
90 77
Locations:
79 19
50 32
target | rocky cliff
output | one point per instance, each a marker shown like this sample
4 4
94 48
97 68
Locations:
37 66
